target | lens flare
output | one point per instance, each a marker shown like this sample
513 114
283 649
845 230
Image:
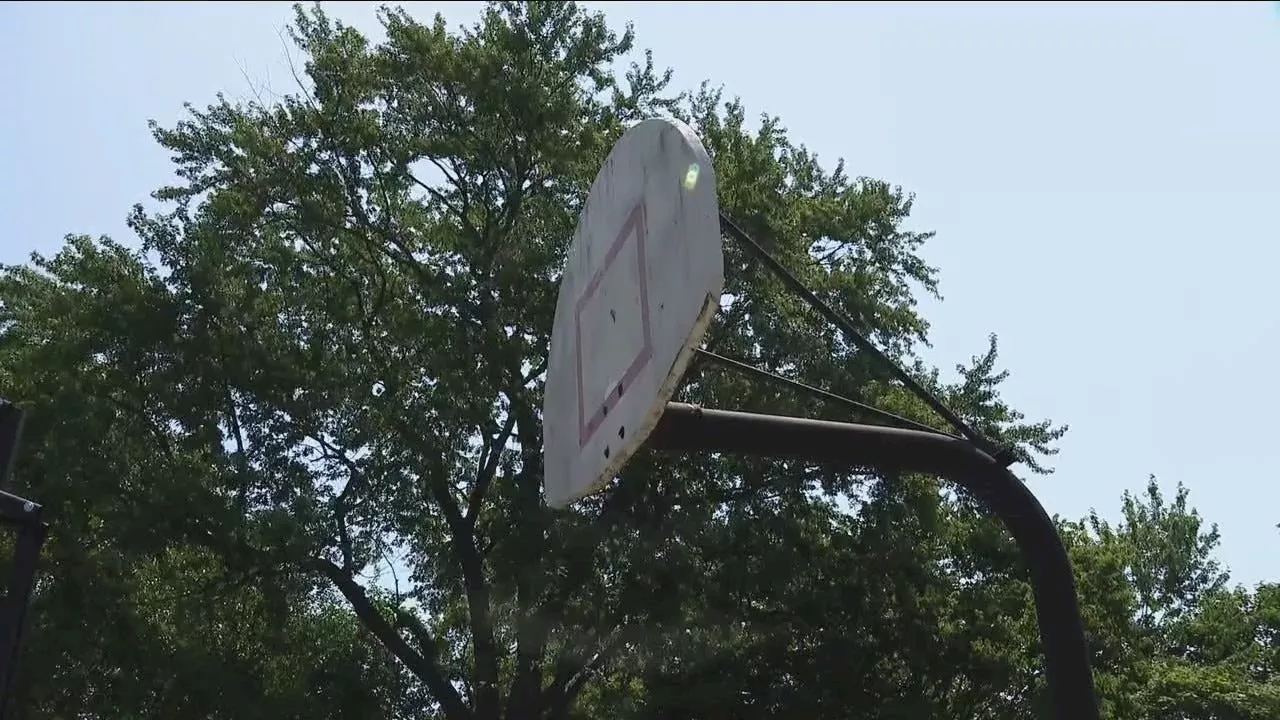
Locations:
691 176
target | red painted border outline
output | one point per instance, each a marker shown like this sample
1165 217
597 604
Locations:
636 224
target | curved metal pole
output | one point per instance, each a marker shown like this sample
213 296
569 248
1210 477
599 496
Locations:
1067 667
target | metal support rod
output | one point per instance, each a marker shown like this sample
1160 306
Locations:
888 417
851 333
689 428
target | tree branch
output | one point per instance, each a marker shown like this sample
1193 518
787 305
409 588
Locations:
356 480
573 673
438 196
478 603
423 665
488 468
535 371
532 628
461 532
475 585
233 419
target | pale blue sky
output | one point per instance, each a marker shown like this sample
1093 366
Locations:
1104 180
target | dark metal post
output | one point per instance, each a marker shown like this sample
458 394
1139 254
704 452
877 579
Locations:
1068 672
21 581
26 517
11 417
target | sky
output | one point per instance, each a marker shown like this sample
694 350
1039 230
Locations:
1104 180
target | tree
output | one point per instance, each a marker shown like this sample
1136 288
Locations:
135 613
329 351
1171 564
1224 659
1170 638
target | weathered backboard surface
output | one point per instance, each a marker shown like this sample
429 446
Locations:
642 281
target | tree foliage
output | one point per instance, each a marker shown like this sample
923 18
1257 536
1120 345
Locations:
291 441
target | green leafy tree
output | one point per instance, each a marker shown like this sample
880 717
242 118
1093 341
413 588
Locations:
1223 660
329 350
1171 563
1170 638
137 613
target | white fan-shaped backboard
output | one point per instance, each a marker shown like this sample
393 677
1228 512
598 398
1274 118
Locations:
642 281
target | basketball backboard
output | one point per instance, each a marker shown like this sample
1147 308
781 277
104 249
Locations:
641 284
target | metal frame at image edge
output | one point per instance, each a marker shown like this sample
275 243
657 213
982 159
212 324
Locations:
27 518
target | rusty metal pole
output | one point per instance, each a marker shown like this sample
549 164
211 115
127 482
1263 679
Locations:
1068 671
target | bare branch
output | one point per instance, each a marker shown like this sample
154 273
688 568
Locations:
423 663
488 469
532 627
476 586
574 670
435 194
534 372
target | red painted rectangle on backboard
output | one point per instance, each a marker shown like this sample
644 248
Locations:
635 225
